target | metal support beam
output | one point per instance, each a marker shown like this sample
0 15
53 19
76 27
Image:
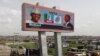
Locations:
58 43
43 43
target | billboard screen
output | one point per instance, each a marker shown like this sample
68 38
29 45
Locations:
40 18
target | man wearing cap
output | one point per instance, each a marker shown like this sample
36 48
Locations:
35 16
34 21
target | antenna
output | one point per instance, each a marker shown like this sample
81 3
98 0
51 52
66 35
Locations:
37 3
54 7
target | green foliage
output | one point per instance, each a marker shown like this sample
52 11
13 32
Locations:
25 44
29 45
51 51
26 40
13 46
2 42
65 50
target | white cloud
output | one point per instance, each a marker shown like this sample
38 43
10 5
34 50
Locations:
5 11
15 12
7 20
5 0
7 15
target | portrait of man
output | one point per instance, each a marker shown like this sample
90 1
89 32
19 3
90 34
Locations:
67 23
35 15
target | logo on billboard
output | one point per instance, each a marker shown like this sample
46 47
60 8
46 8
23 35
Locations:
52 18
48 18
57 19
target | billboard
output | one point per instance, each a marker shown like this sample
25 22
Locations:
40 18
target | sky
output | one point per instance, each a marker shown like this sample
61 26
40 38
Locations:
87 16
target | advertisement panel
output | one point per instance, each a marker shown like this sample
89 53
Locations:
40 18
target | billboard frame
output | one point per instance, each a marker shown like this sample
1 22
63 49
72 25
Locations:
41 29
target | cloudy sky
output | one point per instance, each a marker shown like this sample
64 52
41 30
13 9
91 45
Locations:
87 15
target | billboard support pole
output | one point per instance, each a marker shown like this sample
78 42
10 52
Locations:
58 43
43 43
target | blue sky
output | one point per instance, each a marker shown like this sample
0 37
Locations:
87 15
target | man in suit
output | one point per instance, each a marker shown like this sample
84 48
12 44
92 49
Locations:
67 24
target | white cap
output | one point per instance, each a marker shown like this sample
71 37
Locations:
36 11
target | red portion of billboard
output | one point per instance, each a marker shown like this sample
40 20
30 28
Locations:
40 18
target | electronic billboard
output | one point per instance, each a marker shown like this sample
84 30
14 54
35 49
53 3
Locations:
41 18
